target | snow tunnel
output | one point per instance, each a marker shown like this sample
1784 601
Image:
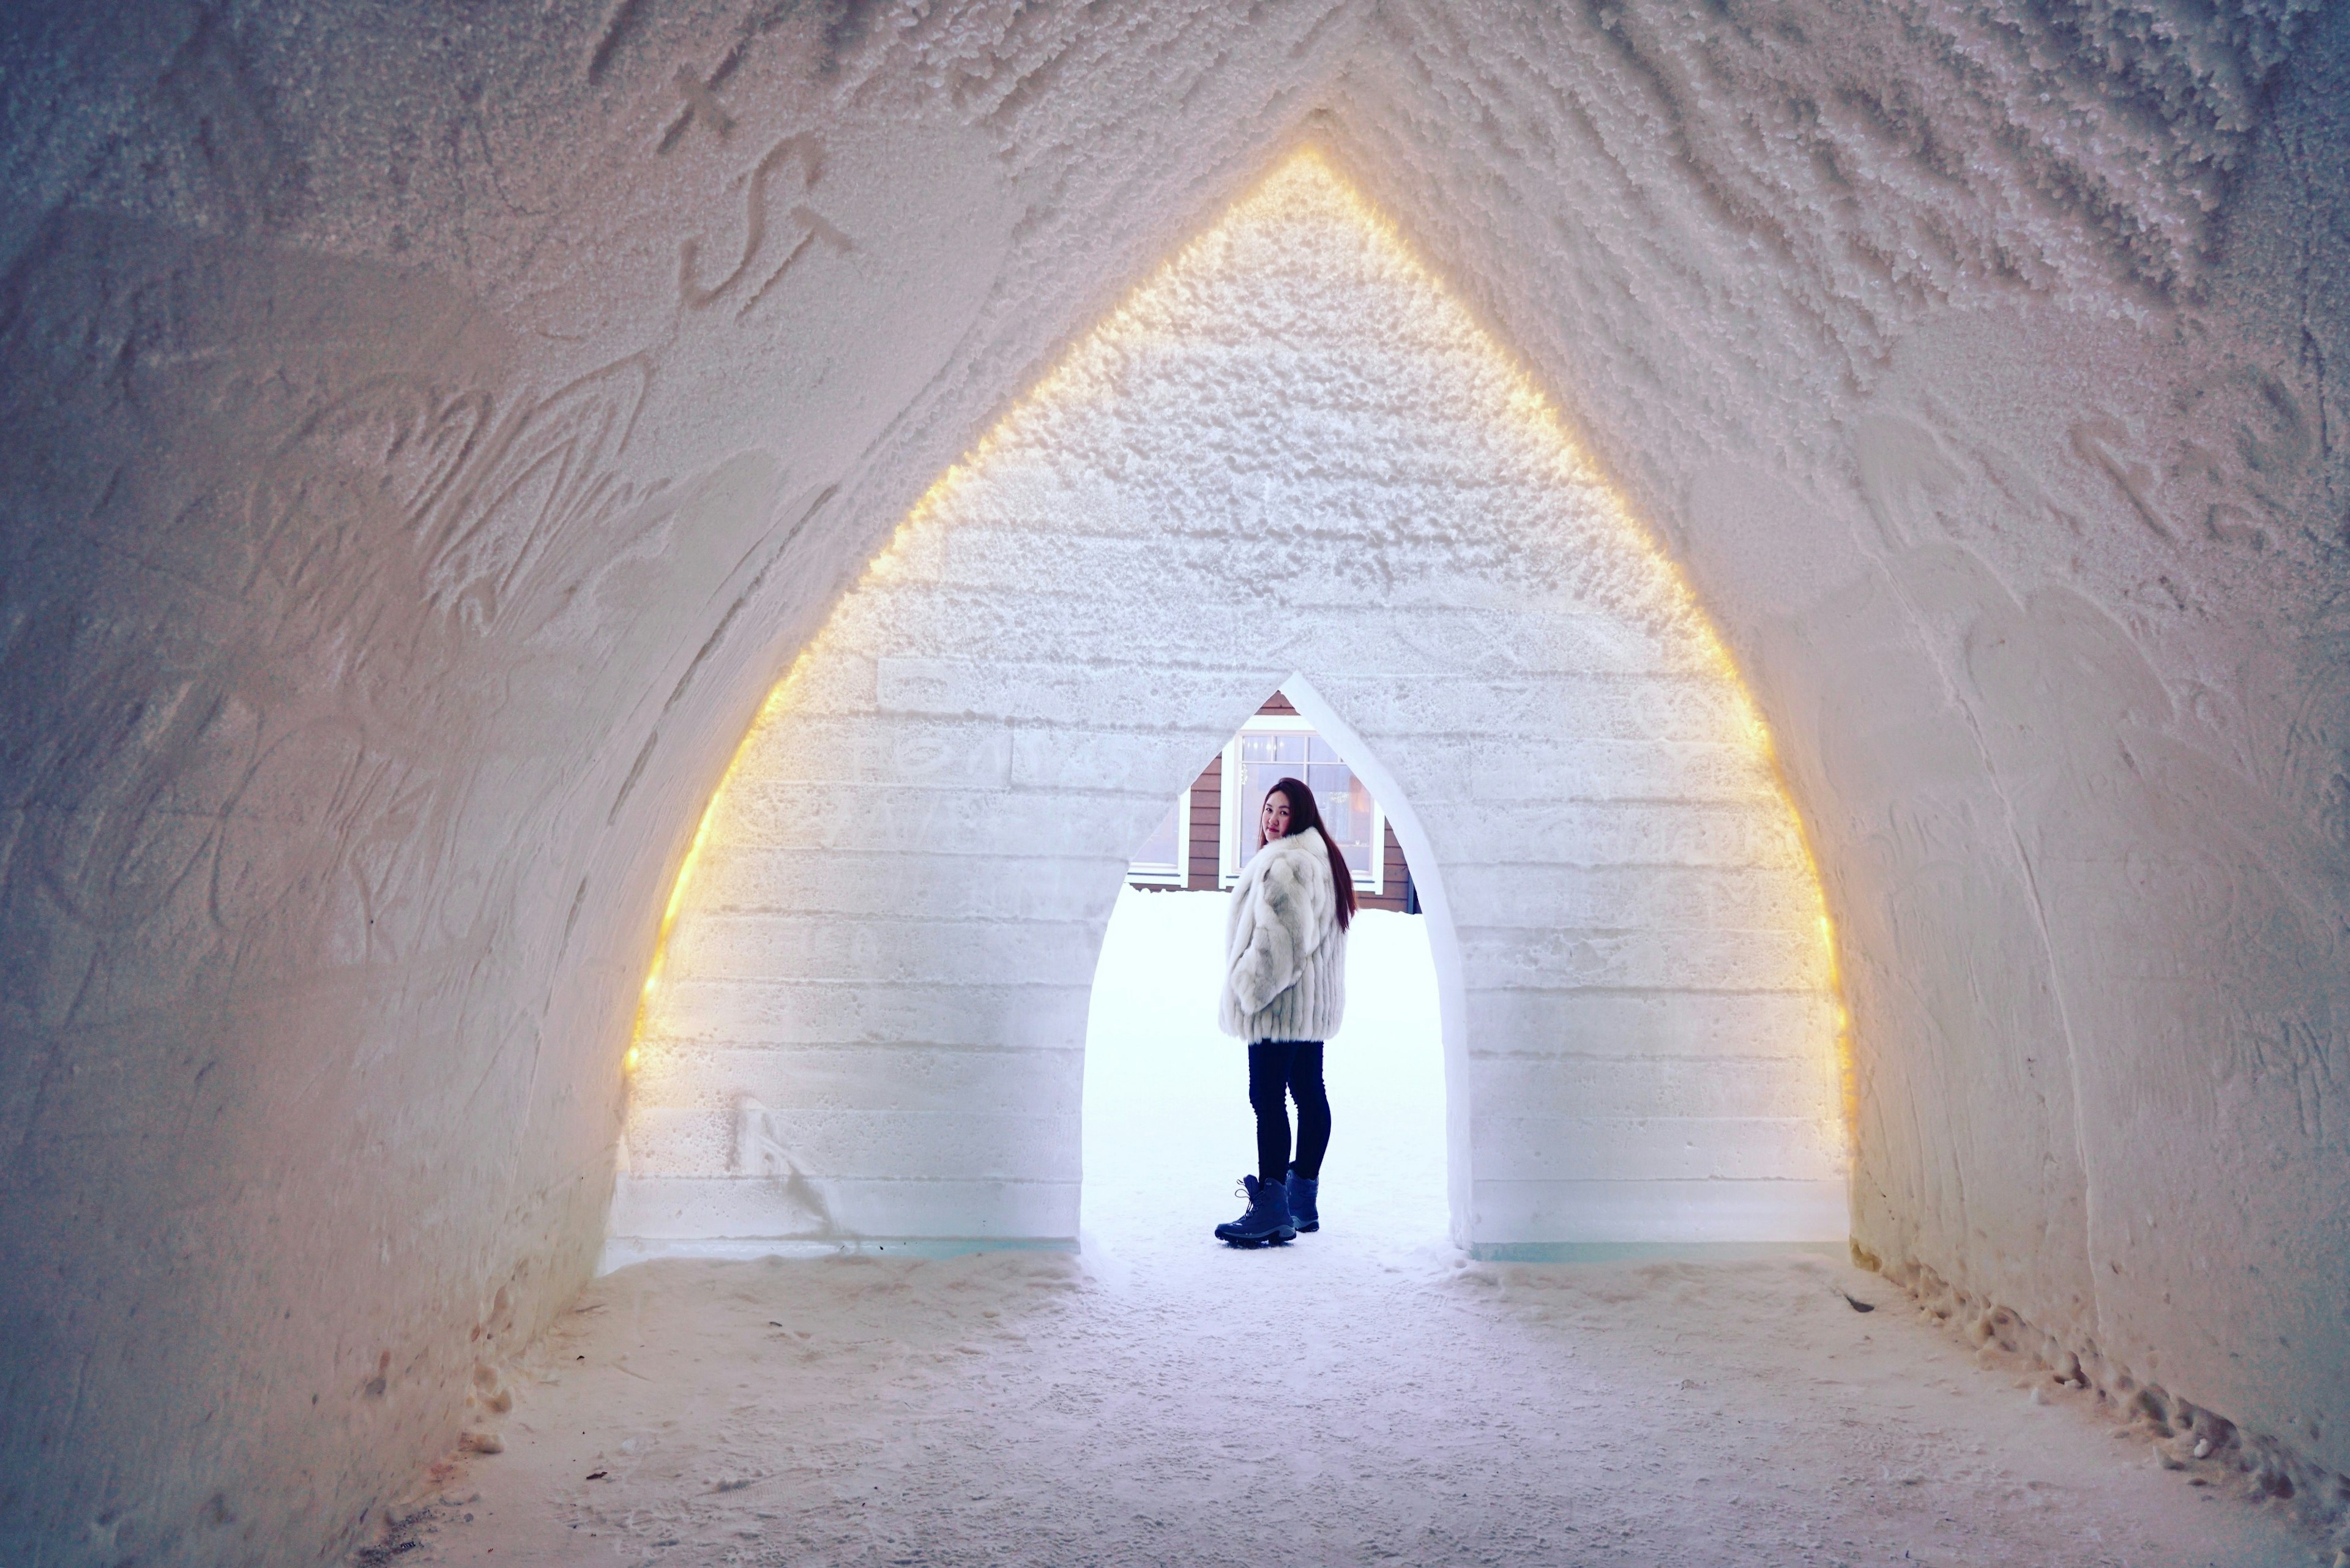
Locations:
1885 458
1289 459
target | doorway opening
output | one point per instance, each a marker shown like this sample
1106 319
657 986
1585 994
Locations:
1167 1123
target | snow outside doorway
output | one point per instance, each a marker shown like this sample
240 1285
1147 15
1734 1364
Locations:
1167 1129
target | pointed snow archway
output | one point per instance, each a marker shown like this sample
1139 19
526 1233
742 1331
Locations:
1289 458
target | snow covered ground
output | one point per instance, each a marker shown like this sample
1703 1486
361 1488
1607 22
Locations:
1365 1395
1169 1132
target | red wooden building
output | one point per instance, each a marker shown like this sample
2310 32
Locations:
1209 834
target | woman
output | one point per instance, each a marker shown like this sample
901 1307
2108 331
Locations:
1285 989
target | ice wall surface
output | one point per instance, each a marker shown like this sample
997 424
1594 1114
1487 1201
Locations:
1288 455
429 434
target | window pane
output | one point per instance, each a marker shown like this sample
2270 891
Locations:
1344 801
1156 858
1284 753
1346 809
1258 776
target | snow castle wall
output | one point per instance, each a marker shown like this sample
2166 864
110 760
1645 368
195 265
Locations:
1288 455
431 433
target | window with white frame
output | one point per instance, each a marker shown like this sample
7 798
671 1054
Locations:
1165 856
1274 746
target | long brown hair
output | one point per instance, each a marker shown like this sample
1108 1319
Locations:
1303 813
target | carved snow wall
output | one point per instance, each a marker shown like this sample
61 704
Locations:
1288 460
430 439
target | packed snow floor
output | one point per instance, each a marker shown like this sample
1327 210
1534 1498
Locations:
1363 1395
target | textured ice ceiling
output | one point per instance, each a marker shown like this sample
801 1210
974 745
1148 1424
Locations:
431 430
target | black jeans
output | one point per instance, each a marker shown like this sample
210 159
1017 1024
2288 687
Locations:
1292 1068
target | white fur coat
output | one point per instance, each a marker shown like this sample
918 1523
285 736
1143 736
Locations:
1285 951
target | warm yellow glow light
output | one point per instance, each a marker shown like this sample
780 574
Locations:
650 992
1306 188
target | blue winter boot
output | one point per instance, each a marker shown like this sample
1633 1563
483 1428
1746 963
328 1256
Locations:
1302 1191
1267 1220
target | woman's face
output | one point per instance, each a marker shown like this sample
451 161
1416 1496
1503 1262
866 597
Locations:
1274 822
